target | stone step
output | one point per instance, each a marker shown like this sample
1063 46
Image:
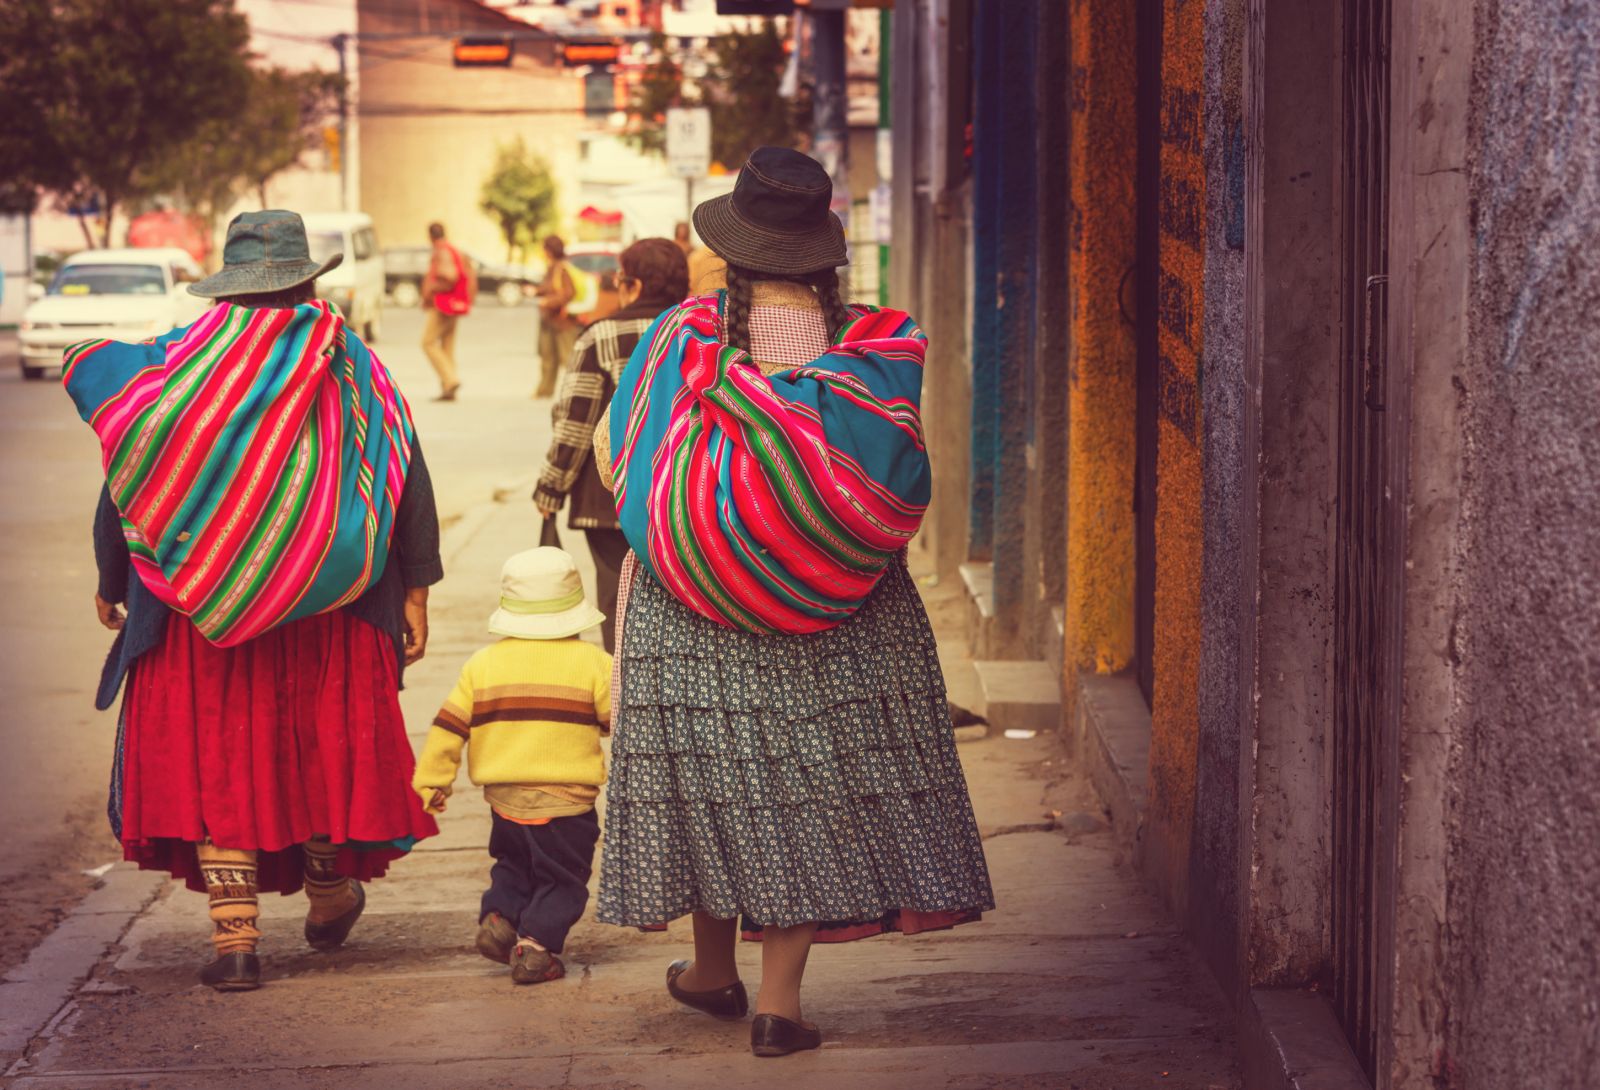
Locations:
1020 694
978 578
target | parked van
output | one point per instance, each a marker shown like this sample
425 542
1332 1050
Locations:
356 286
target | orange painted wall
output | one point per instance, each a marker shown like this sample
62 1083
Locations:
1174 711
1100 442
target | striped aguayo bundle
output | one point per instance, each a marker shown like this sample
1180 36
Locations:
771 503
257 458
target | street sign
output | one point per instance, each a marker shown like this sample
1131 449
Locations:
689 141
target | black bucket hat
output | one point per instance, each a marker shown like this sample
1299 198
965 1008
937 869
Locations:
776 220
265 251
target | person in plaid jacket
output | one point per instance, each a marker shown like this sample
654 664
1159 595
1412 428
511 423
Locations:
654 276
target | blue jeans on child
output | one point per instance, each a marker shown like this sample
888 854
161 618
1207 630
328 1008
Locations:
540 879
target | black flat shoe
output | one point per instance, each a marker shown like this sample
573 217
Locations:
774 1035
331 934
233 973
729 1002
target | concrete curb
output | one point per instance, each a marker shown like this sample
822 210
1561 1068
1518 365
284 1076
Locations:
33 993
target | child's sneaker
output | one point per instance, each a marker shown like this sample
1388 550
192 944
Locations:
533 964
496 938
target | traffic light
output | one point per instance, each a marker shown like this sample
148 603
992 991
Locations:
483 53
755 7
578 54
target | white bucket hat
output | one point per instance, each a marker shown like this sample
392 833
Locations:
541 597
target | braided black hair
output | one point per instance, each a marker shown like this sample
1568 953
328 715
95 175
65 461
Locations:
741 287
826 284
736 315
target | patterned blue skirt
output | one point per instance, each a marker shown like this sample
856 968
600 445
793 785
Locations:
787 779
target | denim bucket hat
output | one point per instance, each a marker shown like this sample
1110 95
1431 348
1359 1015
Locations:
266 251
777 218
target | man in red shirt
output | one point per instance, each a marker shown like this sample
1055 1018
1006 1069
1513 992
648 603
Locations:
448 291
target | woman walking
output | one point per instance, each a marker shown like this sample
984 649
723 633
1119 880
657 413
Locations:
782 748
269 524
653 278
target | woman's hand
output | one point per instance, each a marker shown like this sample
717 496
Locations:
546 507
110 615
416 620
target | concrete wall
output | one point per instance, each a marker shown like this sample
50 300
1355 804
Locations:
1174 709
1214 839
1525 646
1100 440
928 254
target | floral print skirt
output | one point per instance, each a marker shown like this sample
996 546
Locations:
787 779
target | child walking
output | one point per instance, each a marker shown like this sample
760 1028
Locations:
530 708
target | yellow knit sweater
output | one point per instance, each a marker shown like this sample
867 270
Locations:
530 713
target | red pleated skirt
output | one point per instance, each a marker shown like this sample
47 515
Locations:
262 746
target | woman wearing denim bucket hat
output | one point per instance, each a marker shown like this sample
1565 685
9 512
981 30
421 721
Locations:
274 565
782 751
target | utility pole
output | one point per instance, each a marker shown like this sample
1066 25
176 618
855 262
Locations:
339 41
885 156
829 112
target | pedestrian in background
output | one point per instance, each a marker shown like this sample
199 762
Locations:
261 746
652 278
530 710
682 238
449 289
783 751
558 329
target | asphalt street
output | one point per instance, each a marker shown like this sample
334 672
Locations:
55 748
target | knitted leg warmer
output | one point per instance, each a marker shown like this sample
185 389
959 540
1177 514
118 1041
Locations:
230 877
331 893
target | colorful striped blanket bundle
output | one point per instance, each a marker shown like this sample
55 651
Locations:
774 503
257 458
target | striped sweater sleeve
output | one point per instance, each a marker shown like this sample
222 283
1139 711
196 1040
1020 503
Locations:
440 759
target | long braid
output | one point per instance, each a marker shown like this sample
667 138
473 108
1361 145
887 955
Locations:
736 319
826 283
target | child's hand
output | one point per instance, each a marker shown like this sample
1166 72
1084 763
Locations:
433 798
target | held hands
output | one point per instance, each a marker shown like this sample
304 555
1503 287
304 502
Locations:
110 615
434 798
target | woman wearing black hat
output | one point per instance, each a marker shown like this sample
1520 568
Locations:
802 778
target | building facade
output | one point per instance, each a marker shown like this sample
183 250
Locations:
1260 395
426 132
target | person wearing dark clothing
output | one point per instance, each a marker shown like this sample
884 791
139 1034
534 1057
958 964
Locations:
654 276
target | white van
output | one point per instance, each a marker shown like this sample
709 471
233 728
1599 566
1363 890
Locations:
356 286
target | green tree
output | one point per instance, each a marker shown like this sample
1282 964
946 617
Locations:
660 87
741 90
282 116
519 195
99 92
744 73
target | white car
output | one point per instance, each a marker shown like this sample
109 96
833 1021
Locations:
356 287
118 295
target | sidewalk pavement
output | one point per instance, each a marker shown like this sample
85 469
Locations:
1077 980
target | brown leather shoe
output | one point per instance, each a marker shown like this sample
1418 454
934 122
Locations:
496 938
729 1002
774 1035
